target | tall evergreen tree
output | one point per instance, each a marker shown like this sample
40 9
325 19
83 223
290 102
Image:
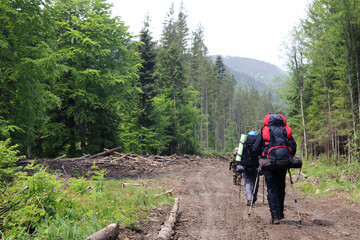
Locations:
199 73
100 83
147 73
28 67
172 76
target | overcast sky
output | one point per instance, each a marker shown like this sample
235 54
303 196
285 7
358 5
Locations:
244 28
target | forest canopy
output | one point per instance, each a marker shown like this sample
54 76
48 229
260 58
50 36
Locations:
75 81
323 92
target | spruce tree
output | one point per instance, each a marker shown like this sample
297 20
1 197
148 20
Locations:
147 73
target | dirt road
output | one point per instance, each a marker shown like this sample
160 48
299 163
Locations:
210 208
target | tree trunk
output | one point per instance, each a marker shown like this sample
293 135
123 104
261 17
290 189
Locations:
349 49
333 145
244 124
356 48
358 78
175 142
207 121
299 70
72 149
202 112
351 92
330 117
216 128
303 121
338 146
83 136
349 150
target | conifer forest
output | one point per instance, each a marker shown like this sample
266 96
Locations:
104 131
323 90
75 81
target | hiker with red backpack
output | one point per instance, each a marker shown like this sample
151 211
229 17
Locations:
275 145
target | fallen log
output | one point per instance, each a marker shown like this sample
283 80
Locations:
110 232
167 229
170 192
62 156
131 184
104 153
21 161
116 153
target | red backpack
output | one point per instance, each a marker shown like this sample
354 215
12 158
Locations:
276 135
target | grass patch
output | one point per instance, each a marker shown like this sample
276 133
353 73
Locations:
328 180
53 209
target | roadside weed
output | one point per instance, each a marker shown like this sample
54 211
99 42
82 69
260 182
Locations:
328 180
41 206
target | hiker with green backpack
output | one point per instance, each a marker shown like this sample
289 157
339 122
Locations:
248 164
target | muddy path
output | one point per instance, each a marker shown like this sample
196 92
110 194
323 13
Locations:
210 208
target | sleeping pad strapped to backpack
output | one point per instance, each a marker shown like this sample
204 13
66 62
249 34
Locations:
277 136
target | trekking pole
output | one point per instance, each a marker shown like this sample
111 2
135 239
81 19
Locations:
252 197
297 207
240 185
263 189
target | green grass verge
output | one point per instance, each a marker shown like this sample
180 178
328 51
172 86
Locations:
325 180
53 209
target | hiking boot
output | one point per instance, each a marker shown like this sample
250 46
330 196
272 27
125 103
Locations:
275 221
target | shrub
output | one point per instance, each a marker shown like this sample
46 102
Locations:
8 159
31 199
42 207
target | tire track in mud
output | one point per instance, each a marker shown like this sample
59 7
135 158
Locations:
210 208
219 212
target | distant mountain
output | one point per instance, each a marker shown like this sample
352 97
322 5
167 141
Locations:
251 72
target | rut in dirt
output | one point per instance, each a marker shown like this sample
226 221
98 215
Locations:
210 208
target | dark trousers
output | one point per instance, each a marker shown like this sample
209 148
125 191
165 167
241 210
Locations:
275 183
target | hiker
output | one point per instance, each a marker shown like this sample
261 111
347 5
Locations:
232 166
275 142
250 164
